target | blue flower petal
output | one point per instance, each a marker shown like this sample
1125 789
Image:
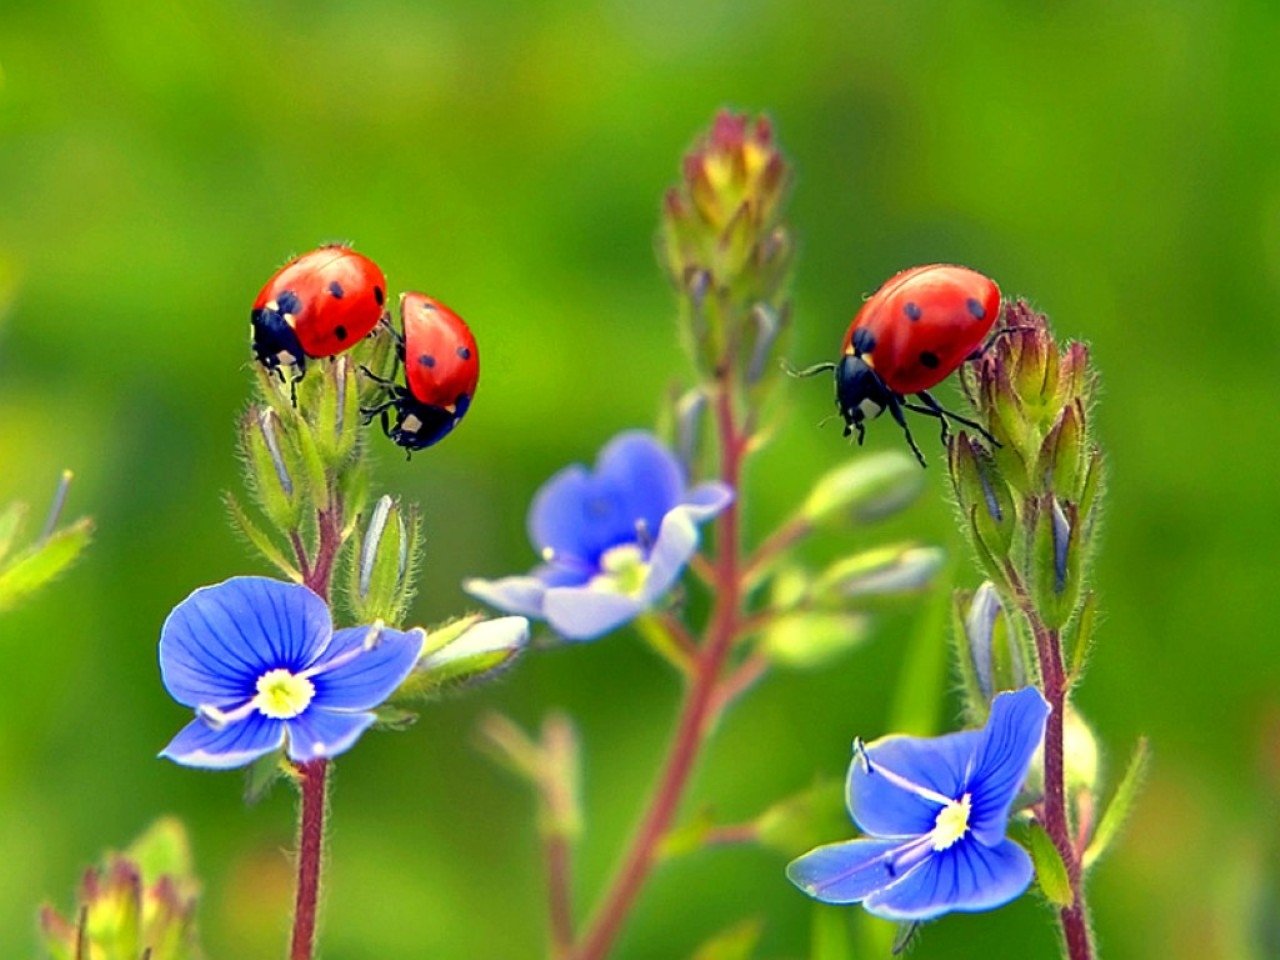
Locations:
557 516
368 678
200 745
884 808
1009 741
218 641
844 872
706 500
584 613
968 876
677 541
646 475
519 595
321 733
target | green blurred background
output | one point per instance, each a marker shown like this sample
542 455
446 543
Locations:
1116 162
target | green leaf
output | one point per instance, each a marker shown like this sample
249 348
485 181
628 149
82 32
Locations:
1051 872
806 641
479 654
315 476
658 636
395 718
736 943
829 937
1077 636
1118 810
262 776
804 820
10 524
895 569
259 539
689 837
40 563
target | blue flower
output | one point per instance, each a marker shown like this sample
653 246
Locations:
935 813
613 539
262 666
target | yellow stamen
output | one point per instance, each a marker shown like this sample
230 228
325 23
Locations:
952 823
282 695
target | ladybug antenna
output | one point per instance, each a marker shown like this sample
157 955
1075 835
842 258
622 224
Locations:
807 371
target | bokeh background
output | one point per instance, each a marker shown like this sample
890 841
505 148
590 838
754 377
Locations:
1116 162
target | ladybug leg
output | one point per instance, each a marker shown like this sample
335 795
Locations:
807 371
995 337
368 413
935 409
895 408
375 378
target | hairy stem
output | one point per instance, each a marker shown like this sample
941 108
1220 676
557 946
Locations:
313 782
697 713
1075 918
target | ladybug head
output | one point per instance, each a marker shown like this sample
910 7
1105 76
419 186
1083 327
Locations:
860 393
275 343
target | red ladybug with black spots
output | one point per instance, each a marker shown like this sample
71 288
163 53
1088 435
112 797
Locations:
441 371
317 305
909 336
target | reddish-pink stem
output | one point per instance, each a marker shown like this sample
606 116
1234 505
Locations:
559 895
312 779
1074 919
696 715
313 776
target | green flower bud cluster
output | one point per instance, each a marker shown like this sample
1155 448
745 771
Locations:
1030 504
726 248
137 904
307 472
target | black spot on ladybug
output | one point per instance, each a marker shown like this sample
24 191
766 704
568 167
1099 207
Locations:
913 311
378 295
975 308
864 340
929 360
427 360
464 353
335 288
340 332
288 302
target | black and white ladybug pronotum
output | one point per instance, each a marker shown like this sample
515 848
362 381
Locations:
441 370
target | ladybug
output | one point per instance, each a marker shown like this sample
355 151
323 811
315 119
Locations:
317 305
441 370
910 335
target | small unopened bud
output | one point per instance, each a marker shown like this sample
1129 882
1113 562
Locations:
479 653
140 904
983 494
1056 560
269 426
690 409
904 568
1062 458
273 466
863 488
768 325
382 571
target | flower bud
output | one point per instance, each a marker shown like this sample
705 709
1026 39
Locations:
337 417
984 499
273 466
724 247
382 589
1055 581
863 488
480 652
991 659
902 568
1081 760
690 411
1062 460
141 903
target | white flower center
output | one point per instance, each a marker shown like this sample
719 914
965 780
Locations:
623 570
952 823
283 695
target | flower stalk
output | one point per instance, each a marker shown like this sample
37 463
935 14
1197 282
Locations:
1029 507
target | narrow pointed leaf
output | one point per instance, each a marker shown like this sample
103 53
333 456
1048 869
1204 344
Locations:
37 565
259 539
1051 872
736 943
1118 810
